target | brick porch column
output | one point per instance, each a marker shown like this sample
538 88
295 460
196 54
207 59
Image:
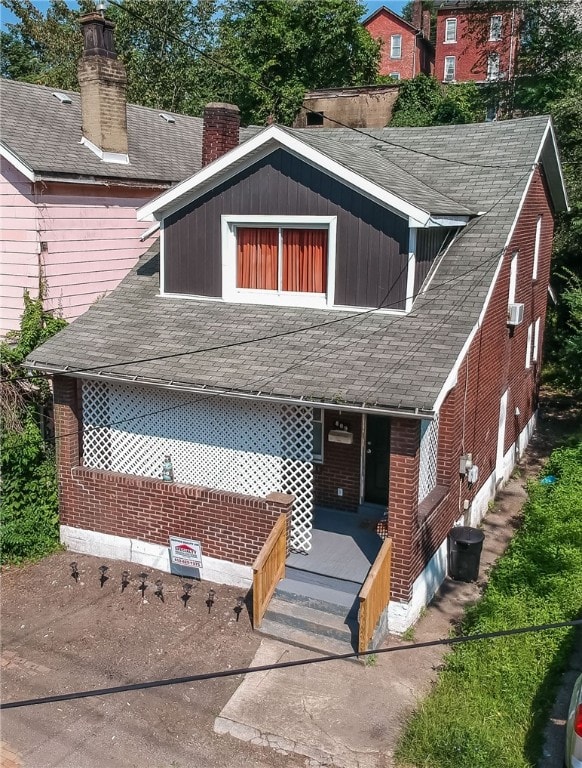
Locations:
403 503
68 424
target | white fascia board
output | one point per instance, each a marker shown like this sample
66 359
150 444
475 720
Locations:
552 133
451 379
19 164
448 221
188 190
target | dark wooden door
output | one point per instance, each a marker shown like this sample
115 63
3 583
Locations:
377 461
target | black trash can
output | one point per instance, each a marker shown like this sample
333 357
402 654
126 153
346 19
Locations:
465 545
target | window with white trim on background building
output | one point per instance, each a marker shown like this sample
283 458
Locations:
395 75
495 27
450 65
512 279
536 254
528 349
536 341
493 66
451 31
396 47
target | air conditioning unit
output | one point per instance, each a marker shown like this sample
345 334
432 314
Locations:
514 314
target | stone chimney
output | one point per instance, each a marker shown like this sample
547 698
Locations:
103 82
220 131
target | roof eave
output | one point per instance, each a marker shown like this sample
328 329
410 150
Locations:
20 165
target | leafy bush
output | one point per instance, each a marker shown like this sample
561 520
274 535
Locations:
491 701
29 513
424 101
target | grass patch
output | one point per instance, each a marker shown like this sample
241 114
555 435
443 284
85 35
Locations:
490 704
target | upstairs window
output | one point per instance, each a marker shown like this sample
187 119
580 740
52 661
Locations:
495 28
449 68
451 31
513 279
396 47
493 66
536 255
281 259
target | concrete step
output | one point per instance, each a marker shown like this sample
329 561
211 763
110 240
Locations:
299 637
315 622
342 585
321 598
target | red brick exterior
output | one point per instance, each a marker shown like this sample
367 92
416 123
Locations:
495 362
473 47
341 467
417 53
230 526
220 132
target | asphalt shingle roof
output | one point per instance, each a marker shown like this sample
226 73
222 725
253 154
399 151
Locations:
45 135
371 359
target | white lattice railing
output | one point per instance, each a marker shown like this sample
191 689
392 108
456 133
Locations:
429 443
231 445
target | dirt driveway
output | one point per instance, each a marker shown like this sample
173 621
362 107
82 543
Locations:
59 636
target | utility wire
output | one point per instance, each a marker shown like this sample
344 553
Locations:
285 665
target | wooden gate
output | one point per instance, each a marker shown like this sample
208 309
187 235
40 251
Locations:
374 595
269 569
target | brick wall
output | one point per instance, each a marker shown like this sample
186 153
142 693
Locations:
469 416
230 526
341 467
381 27
473 47
102 82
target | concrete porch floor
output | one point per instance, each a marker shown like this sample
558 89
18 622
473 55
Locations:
344 546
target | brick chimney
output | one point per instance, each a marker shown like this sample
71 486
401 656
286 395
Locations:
220 131
103 82
417 14
426 24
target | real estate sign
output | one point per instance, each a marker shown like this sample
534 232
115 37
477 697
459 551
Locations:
185 552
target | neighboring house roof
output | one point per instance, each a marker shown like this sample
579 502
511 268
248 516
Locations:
367 360
44 135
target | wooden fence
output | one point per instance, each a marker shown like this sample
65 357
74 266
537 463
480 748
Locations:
374 595
269 569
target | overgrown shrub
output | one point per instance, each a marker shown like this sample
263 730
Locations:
491 701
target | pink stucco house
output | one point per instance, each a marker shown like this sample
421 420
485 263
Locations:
74 169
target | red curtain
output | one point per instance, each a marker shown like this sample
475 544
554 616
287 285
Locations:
257 258
305 260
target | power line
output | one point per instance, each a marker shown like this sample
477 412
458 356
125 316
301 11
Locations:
285 665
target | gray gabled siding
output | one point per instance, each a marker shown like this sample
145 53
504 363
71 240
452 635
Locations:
372 242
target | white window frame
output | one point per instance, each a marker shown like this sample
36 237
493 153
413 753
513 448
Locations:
448 60
513 279
536 341
528 349
496 28
395 75
394 46
318 457
451 30
230 292
536 253
493 66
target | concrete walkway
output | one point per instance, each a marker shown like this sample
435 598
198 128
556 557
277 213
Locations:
348 715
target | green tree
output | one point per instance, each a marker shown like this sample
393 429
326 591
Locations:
278 49
424 101
29 511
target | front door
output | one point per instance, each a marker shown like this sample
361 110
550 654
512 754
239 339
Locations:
377 460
